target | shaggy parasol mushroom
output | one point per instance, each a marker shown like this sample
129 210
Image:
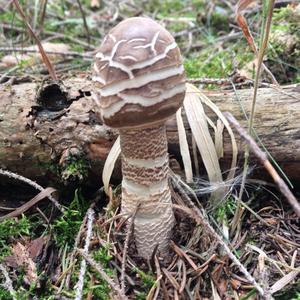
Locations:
139 83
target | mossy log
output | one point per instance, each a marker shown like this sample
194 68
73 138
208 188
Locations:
51 132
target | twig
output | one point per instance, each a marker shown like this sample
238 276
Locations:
205 80
66 53
90 219
72 256
84 20
11 27
33 184
51 35
21 209
200 217
265 162
39 44
158 277
56 35
8 283
100 270
43 15
125 249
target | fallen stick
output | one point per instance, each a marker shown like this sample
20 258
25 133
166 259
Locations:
104 276
79 286
41 130
265 162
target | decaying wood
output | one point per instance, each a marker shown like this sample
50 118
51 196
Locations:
38 136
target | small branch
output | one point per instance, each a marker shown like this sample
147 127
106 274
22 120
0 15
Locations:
206 80
21 209
104 276
125 249
84 21
66 53
90 219
77 241
33 184
265 162
8 283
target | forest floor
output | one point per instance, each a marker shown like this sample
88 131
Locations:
40 256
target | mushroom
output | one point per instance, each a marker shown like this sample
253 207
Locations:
139 82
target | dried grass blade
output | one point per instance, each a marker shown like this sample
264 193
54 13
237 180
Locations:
198 123
184 148
219 138
39 44
110 164
171 278
242 22
215 293
282 282
216 110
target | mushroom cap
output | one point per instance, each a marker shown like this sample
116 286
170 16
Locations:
138 75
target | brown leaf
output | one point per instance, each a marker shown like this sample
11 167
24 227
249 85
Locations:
21 258
236 284
242 5
35 247
246 31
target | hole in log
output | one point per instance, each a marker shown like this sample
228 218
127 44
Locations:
53 98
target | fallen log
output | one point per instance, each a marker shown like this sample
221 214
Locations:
51 132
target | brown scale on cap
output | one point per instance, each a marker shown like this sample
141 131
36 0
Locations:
140 83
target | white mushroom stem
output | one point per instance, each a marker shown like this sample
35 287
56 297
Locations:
145 166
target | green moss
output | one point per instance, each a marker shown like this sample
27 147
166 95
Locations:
164 7
215 65
219 22
75 168
103 255
101 290
288 17
147 281
297 297
283 52
67 226
13 228
216 22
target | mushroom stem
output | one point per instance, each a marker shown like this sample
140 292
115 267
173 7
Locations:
145 165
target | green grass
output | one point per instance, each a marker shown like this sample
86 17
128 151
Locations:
215 63
66 227
225 211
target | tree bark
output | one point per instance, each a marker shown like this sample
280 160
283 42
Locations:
47 133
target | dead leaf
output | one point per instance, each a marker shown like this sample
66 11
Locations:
243 4
35 247
25 256
20 258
